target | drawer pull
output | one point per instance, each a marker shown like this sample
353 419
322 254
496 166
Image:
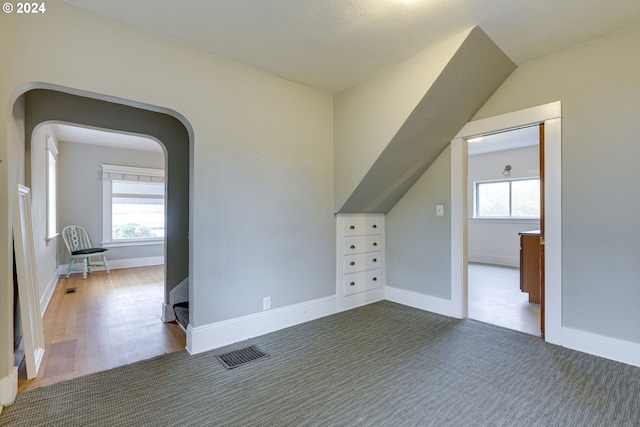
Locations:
375 226
375 244
375 260
353 227
352 263
375 279
352 247
352 284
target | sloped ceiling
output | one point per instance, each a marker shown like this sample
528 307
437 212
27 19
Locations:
334 44
470 77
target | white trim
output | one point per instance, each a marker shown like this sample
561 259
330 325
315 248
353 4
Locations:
125 173
359 299
215 335
459 226
130 243
516 119
599 345
51 198
48 292
421 301
178 294
550 114
122 263
168 315
9 387
553 230
108 172
509 220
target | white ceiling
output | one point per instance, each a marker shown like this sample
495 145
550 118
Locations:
509 140
85 135
333 44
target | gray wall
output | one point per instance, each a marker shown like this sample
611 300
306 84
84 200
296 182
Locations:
598 85
262 222
80 191
473 72
419 242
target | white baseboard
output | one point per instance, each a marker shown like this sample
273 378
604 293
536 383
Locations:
599 345
120 263
215 335
361 298
48 292
167 313
421 301
587 342
9 387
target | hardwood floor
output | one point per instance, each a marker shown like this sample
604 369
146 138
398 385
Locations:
495 297
110 320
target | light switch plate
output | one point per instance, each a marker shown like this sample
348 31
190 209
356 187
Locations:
440 210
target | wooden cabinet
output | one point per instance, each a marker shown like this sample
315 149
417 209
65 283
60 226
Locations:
360 263
530 264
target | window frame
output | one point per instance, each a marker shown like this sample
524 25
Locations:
132 174
510 217
51 162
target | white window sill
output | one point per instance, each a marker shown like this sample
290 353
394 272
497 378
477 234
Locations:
50 238
506 220
132 242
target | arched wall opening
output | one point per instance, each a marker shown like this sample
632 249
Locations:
46 103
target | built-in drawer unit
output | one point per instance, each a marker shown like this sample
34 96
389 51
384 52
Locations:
360 253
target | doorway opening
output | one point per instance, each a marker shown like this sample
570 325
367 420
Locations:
48 103
504 200
551 116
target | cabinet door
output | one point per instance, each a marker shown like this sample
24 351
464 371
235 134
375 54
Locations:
530 267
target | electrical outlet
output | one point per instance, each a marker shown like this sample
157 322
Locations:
266 303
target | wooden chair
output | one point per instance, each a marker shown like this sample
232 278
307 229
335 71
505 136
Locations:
79 246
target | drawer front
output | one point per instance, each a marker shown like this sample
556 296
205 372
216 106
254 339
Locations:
361 262
360 244
362 281
359 226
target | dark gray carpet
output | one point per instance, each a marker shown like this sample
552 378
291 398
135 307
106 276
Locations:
379 365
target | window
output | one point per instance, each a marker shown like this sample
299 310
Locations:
52 185
133 205
508 198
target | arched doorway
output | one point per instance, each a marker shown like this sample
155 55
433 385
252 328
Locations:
50 103
46 103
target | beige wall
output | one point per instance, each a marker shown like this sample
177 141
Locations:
598 84
418 241
368 116
262 155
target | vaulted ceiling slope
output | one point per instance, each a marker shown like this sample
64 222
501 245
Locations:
467 79
334 44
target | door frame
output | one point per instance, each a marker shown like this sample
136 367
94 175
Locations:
551 115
